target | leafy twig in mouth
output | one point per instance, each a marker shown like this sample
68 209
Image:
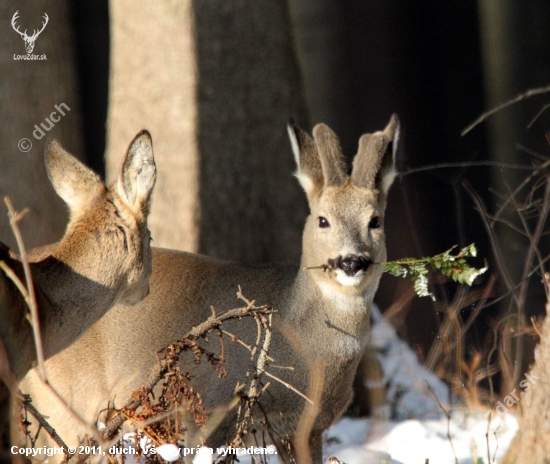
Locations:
453 266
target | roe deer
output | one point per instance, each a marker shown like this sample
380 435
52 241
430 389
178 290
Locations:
104 257
322 317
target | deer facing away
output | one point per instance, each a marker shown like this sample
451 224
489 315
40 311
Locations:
104 257
322 318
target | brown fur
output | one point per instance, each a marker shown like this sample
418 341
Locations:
320 321
104 257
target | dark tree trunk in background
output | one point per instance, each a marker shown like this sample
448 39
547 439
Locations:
250 207
215 83
29 91
91 35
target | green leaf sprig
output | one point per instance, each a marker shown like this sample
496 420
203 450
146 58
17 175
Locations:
453 266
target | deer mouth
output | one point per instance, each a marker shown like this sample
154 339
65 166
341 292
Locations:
351 265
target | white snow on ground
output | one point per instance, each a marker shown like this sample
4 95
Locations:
414 441
405 378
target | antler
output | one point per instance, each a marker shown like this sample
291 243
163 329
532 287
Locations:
37 33
24 34
15 18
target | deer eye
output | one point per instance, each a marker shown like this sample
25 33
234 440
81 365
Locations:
323 222
374 223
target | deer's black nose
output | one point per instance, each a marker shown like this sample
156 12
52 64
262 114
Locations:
352 264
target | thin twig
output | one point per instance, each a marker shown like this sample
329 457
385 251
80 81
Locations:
487 437
520 97
17 281
90 428
234 338
542 110
520 187
496 449
15 217
287 385
492 238
466 164
535 328
447 415
533 153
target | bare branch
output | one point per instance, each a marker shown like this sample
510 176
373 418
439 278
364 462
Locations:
466 164
287 385
520 97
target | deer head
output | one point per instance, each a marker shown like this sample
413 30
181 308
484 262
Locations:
345 230
29 40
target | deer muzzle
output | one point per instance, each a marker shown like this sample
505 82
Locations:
350 264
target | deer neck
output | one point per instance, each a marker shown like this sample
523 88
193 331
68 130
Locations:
71 302
338 316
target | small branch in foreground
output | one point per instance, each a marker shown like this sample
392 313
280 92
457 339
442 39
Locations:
487 437
17 281
14 218
287 385
466 164
255 390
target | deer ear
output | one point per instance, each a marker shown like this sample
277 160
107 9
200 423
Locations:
309 171
330 154
139 173
374 164
74 182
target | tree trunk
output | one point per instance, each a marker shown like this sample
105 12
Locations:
215 83
29 92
